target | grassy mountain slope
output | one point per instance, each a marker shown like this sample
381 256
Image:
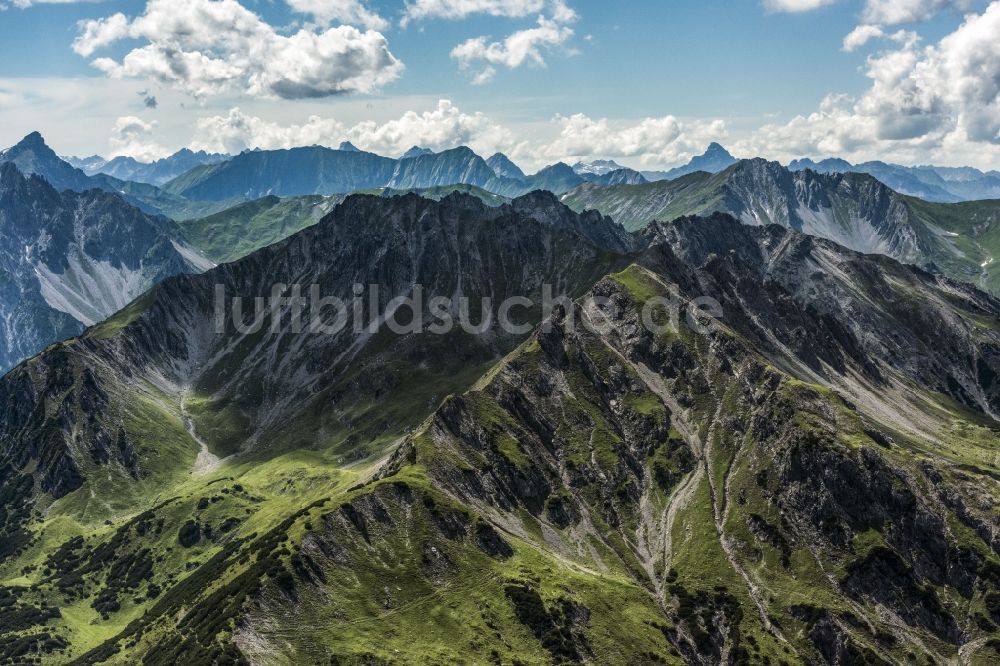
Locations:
242 229
812 481
238 231
972 231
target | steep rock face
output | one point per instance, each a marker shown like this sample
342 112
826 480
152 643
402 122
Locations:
704 464
299 171
866 312
796 482
169 346
70 260
856 212
504 168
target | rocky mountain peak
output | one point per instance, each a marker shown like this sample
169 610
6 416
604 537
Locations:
33 140
559 168
416 151
597 167
32 145
504 167
716 149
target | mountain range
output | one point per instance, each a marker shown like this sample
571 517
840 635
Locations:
931 183
318 170
32 156
853 209
158 172
811 477
76 286
342 175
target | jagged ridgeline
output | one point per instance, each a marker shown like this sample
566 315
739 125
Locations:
812 480
853 209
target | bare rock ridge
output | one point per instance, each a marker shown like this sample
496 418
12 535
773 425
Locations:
810 478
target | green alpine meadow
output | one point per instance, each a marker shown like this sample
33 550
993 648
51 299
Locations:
499 333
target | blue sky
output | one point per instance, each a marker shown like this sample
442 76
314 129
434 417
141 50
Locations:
647 83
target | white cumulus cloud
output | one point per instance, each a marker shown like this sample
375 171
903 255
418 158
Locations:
795 6
133 136
940 102
651 142
520 47
460 9
440 128
891 12
209 47
352 12
865 33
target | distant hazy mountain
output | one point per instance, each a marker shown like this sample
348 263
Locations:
556 178
608 172
155 173
69 260
504 167
324 171
713 160
853 209
618 177
32 156
89 165
597 167
458 165
416 151
829 165
283 173
931 183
